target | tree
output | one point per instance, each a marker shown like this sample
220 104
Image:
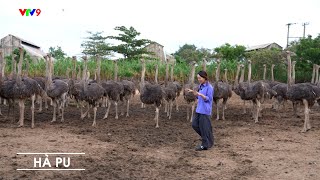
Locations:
131 46
57 52
267 57
95 45
190 52
229 52
307 53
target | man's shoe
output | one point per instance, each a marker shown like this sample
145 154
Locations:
201 148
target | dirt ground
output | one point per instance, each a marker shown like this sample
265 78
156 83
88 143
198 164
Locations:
132 148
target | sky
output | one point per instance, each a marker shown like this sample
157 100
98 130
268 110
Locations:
171 23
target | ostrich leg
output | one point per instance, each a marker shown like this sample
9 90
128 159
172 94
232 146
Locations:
306 125
295 109
177 105
94 116
244 107
224 102
170 108
128 102
85 114
108 108
39 101
54 118
258 106
217 104
188 112
116 105
46 102
157 117
21 118
192 110
166 108
33 97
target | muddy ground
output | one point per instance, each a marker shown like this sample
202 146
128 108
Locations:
132 148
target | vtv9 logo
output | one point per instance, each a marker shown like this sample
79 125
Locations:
31 12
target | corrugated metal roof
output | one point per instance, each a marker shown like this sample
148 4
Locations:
258 47
25 41
34 51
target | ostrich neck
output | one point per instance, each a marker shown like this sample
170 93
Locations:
84 72
156 74
218 72
143 73
317 75
225 76
293 73
204 65
167 74
193 71
249 73
98 70
171 73
242 75
272 76
313 73
20 67
50 73
116 71
264 72
74 61
289 71
236 82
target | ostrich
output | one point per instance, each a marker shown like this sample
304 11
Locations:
304 92
43 95
57 90
149 93
93 92
178 86
189 97
21 89
222 90
225 77
254 92
113 91
170 92
129 91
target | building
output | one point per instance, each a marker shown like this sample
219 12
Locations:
11 42
170 59
264 46
157 49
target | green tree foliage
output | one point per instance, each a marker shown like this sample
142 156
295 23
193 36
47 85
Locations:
131 46
307 53
267 57
95 45
57 52
190 52
229 52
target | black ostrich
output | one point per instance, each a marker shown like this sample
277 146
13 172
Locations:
21 89
306 93
254 92
169 91
222 90
129 90
189 97
150 94
177 85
